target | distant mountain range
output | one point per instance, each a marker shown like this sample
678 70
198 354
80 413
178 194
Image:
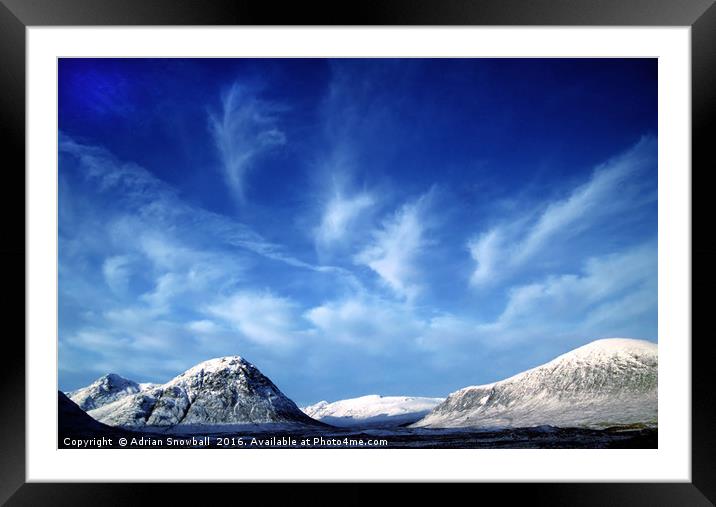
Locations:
372 410
606 383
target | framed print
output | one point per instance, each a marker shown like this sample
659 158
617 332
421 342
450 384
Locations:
416 249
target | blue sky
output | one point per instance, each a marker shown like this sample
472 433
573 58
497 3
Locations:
400 227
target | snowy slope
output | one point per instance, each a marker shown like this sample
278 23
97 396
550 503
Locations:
222 392
372 410
604 383
106 389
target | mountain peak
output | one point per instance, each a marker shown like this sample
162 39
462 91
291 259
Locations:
221 392
616 345
218 364
606 382
106 389
113 378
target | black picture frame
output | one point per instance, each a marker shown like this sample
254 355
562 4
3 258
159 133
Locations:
17 15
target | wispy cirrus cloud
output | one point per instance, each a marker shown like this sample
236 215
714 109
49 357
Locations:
340 213
138 265
486 251
332 274
116 270
565 297
611 295
396 246
364 320
261 317
246 128
178 256
143 200
613 189
203 326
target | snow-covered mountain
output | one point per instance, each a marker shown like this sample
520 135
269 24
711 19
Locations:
372 410
604 383
222 392
106 389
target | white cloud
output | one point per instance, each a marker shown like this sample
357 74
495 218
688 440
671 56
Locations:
245 129
148 208
139 347
485 251
167 287
396 247
129 318
367 321
261 317
203 326
186 255
162 251
578 300
597 197
608 295
443 331
177 257
95 339
340 213
608 193
116 272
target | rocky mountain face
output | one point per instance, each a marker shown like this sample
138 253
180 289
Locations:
605 383
227 391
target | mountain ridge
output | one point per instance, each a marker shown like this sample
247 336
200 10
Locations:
607 382
372 410
221 392
604 383
105 390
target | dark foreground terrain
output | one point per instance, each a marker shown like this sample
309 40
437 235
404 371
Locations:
77 430
522 438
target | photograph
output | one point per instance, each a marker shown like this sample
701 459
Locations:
357 253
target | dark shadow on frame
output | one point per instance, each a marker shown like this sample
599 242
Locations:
16 15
